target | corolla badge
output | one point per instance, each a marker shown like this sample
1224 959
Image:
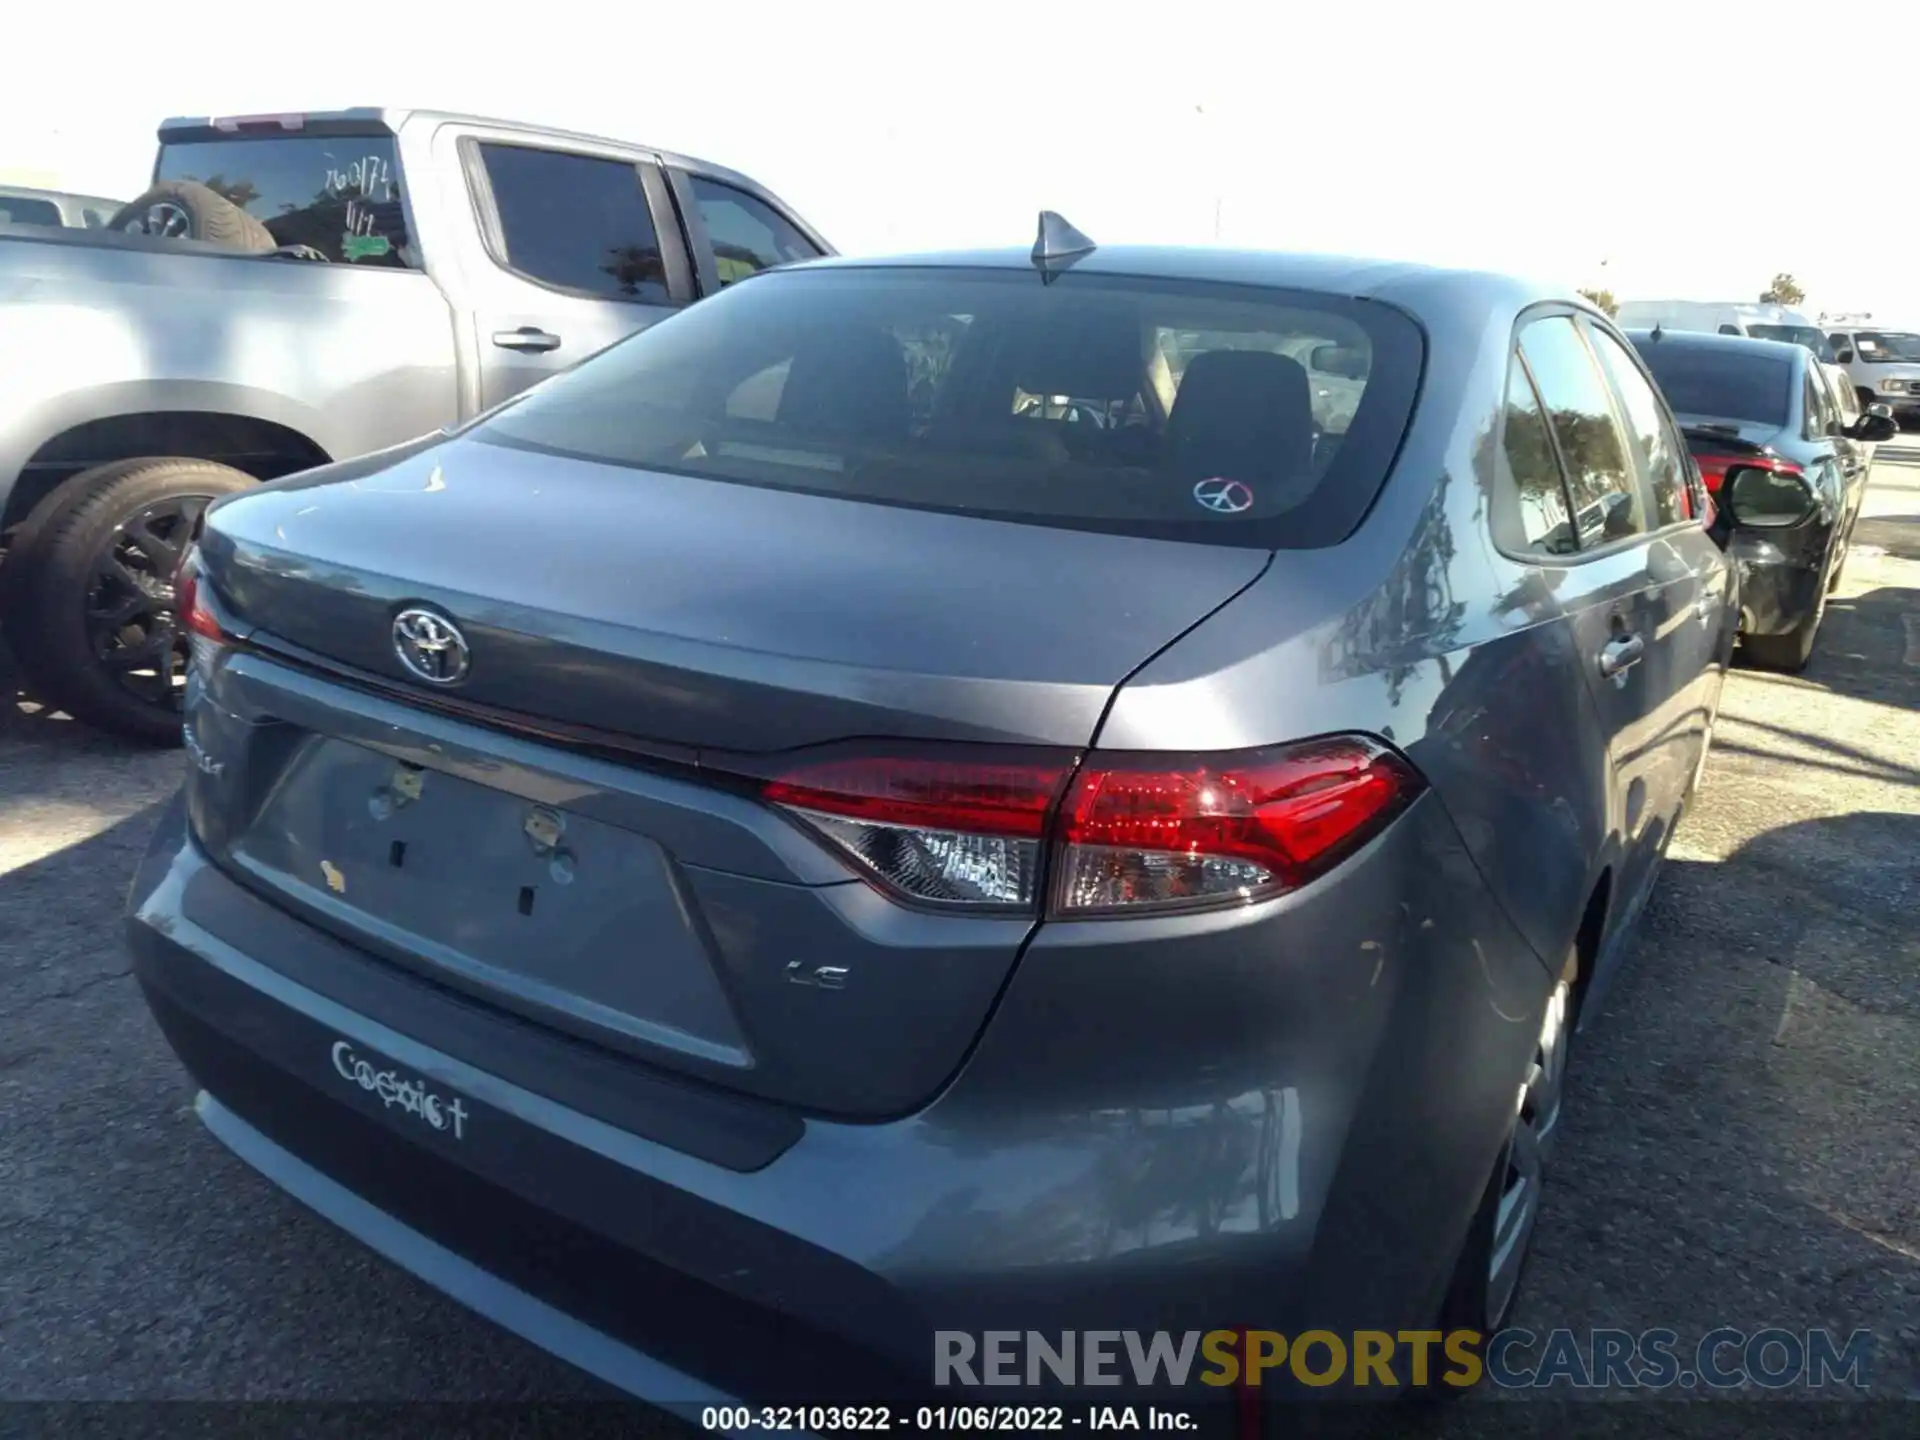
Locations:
431 646
1223 497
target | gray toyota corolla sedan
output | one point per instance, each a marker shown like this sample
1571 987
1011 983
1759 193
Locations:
989 792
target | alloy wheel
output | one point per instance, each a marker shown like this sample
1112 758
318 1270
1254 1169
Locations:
129 617
164 218
1535 1127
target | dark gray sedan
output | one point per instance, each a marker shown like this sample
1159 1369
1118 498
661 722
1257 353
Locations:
1787 470
786 838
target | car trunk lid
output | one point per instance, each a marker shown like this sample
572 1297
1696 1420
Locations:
703 614
657 908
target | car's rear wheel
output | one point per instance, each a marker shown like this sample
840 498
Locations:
89 591
1486 1279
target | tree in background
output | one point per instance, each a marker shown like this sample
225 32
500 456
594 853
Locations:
1604 300
1785 290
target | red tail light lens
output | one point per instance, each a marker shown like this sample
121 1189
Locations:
1134 834
1228 829
195 616
935 830
196 621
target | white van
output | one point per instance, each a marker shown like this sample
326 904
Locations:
1760 321
1883 364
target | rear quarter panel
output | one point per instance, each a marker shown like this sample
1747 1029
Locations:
1419 630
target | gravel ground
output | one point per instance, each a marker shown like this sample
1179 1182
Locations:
1739 1149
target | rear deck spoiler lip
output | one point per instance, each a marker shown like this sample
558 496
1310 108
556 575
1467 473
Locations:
1722 438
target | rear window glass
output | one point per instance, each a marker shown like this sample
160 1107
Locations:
1175 410
1723 382
338 194
19 210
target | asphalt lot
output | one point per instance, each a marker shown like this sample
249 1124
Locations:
1740 1148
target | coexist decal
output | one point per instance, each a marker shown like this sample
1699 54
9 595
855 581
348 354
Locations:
393 1088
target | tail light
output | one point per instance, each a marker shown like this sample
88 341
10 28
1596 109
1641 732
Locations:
1136 834
1123 834
934 830
195 617
234 124
1714 469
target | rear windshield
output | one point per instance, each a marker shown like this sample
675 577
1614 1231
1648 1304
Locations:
1175 410
19 210
1815 340
338 194
1721 381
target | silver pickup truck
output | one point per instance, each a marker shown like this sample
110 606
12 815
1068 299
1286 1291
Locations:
416 268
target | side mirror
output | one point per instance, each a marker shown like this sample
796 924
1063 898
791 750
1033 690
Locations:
1873 428
1767 499
1843 356
1885 412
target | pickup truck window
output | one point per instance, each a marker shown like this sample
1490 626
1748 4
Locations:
338 194
576 223
748 234
20 210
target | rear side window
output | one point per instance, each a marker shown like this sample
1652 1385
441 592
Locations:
576 223
1844 398
1600 479
1649 433
1721 382
20 210
748 235
1159 408
338 194
1530 512
1823 417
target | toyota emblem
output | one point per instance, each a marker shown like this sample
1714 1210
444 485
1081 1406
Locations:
430 646
1223 497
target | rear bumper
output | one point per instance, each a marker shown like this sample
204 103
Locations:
1319 1172
1776 592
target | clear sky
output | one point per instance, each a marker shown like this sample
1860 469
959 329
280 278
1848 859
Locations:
1682 149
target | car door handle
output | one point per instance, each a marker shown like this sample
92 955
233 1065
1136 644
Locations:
1708 605
1621 654
530 338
